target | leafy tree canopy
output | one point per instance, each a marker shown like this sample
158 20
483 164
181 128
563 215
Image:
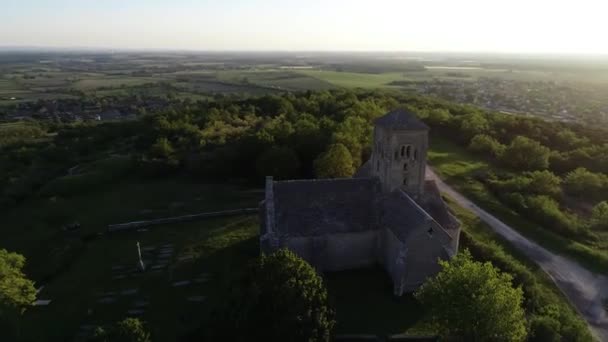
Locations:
473 301
280 298
336 162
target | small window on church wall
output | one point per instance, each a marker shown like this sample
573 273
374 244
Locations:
402 151
405 181
405 167
409 151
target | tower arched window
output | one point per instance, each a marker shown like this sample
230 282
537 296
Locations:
405 181
408 152
404 166
402 151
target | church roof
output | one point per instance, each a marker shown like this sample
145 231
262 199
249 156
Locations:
401 119
325 206
401 214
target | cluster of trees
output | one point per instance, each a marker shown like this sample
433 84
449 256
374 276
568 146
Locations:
549 171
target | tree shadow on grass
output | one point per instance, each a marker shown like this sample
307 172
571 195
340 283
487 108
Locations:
365 303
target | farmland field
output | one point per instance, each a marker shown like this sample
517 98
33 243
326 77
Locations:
94 83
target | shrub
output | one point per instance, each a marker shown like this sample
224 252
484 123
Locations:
526 154
546 211
599 216
486 145
127 330
582 182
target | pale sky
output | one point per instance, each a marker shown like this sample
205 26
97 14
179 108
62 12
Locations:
515 26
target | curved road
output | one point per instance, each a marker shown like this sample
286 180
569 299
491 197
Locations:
583 288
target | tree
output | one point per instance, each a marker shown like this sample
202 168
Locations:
280 298
162 149
474 301
544 183
336 162
16 292
280 162
127 330
473 124
438 117
485 144
599 216
526 154
582 182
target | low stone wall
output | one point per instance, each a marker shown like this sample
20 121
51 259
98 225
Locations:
178 219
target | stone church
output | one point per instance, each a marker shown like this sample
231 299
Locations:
387 214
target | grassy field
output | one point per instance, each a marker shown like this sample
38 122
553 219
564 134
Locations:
457 166
95 83
76 268
355 80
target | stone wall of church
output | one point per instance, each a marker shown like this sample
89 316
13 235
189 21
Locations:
393 258
424 249
336 252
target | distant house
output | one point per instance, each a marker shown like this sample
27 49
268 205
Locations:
388 215
109 115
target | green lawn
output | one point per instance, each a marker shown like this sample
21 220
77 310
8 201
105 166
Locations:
458 167
365 304
355 80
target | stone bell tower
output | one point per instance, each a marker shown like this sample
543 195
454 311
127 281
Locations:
399 152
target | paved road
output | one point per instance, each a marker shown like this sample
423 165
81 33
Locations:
583 288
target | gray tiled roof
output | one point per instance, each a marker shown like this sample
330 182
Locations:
325 206
401 214
364 170
401 119
434 205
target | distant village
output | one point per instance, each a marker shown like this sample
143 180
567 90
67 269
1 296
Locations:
86 109
548 99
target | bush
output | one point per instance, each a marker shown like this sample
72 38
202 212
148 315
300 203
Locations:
127 330
599 216
526 154
536 183
546 211
584 183
486 145
280 298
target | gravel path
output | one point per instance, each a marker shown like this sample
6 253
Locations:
583 288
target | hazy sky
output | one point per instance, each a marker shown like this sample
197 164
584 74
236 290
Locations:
527 26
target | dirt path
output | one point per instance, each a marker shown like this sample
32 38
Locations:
583 288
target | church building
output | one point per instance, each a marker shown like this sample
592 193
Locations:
386 215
